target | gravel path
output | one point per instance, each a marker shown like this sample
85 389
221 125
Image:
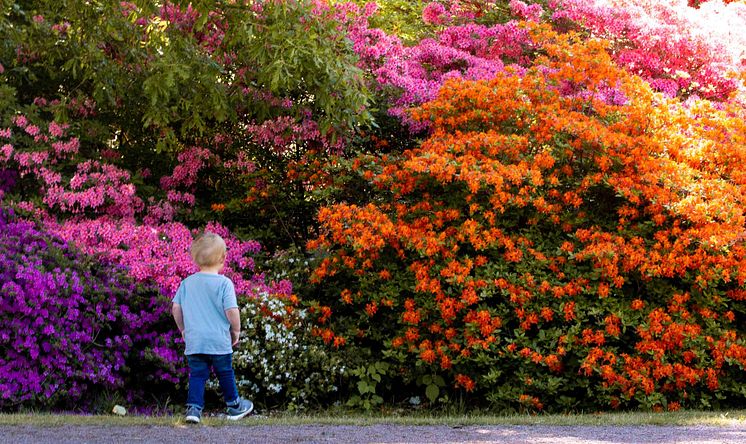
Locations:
382 433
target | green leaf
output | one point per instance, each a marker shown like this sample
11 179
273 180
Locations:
363 387
432 391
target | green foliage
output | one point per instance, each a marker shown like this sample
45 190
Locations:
402 18
143 83
433 385
367 379
304 56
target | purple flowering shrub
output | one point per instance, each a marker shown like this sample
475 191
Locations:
73 326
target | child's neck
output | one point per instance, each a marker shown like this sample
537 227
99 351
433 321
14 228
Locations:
211 270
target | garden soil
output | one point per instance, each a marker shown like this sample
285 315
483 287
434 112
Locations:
381 433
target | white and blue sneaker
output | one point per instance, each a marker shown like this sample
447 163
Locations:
241 408
193 415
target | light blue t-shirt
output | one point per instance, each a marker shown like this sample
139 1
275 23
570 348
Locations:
204 297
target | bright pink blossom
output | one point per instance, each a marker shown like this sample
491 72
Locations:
57 130
6 151
32 130
660 38
20 120
526 12
434 14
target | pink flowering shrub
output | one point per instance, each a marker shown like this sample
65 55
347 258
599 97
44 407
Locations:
680 50
160 253
99 206
45 154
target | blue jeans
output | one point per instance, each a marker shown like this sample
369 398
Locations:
199 373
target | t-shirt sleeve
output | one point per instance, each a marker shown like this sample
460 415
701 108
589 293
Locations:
229 295
179 296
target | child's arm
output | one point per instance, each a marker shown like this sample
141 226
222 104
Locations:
178 317
234 317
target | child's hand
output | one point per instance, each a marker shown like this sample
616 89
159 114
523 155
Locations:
234 337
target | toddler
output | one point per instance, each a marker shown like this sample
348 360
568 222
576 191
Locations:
206 312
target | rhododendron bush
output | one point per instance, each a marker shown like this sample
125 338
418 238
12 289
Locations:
564 238
74 327
681 50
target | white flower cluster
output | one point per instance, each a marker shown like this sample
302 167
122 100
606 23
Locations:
279 359
294 269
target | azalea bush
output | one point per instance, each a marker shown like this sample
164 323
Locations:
681 50
75 327
556 243
250 114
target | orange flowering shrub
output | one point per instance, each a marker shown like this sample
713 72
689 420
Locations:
565 238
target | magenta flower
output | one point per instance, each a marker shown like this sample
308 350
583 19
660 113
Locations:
434 14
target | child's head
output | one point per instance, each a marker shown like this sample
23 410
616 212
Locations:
208 250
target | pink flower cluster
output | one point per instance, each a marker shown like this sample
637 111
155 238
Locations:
242 165
434 14
191 162
280 133
530 13
161 252
210 36
97 187
6 151
680 50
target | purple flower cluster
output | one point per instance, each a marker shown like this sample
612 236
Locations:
72 325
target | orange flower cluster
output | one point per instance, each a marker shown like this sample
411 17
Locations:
465 382
541 226
530 402
328 336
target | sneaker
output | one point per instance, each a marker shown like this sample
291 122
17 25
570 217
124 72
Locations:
193 415
242 408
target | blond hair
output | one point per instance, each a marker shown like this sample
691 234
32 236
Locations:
208 250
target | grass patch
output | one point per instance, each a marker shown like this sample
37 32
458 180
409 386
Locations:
685 418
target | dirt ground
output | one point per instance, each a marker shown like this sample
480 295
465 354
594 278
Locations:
381 433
